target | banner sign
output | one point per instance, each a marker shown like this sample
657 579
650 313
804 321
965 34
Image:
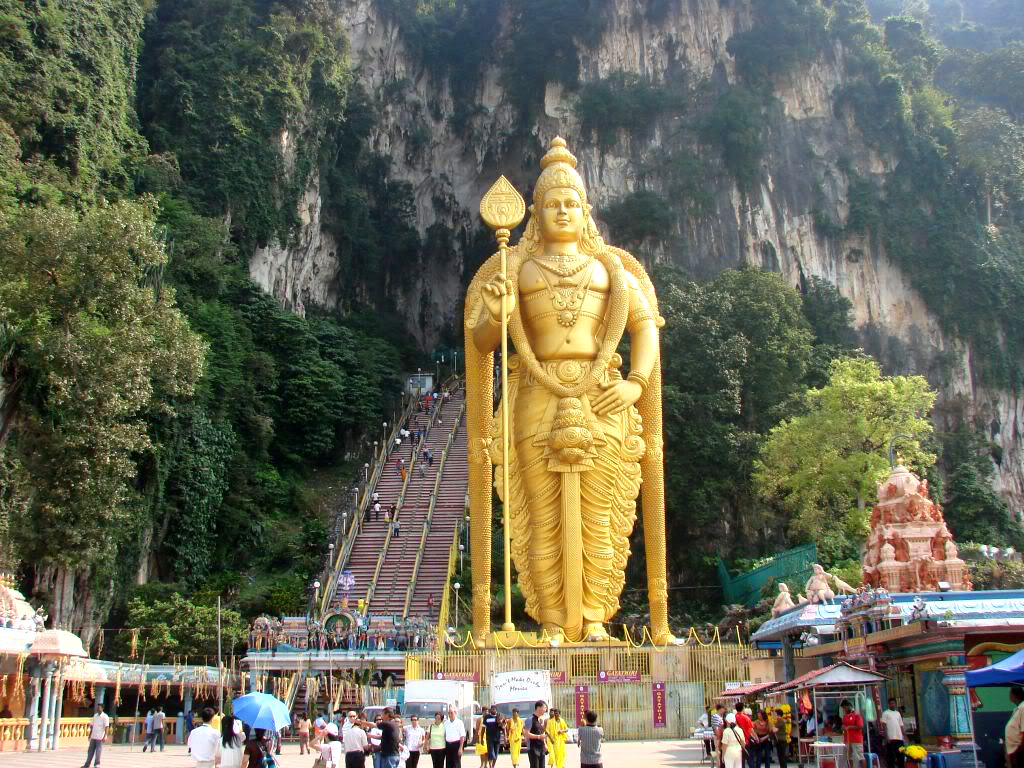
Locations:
658 693
618 677
461 677
559 677
581 702
527 685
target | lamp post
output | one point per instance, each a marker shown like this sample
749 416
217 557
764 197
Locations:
455 362
456 586
462 548
384 433
366 471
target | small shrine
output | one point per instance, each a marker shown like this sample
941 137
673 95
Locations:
910 548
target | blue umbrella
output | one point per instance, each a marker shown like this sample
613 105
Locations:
261 710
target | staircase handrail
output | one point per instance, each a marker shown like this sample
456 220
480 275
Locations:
430 511
372 588
345 551
442 614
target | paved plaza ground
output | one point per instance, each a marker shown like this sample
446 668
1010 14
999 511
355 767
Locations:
618 754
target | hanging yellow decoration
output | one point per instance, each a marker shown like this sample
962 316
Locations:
117 687
99 644
134 652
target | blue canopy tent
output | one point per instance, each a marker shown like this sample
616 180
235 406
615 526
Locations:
1009 671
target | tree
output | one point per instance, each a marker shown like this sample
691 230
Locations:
991 147
824 464
177 627
95 346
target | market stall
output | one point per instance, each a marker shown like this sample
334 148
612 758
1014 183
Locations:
822 690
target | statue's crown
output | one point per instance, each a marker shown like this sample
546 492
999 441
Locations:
559 171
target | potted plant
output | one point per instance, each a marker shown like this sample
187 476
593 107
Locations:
915 754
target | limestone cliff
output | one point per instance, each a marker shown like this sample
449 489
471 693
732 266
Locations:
449 167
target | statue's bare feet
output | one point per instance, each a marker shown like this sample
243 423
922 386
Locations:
554 633
596 632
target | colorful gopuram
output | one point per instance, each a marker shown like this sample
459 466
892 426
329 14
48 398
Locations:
910 548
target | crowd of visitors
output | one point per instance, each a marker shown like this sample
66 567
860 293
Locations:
390 740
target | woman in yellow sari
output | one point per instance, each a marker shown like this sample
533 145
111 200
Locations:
557 732
514 733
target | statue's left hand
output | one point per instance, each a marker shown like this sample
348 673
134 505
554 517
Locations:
617 396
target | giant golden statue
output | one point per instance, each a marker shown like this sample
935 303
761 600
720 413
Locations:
584 440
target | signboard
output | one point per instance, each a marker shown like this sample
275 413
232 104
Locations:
618 677
559 677
658 694
526 685
581 702
462 677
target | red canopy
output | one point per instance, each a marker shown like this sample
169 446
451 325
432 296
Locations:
838 674
746 690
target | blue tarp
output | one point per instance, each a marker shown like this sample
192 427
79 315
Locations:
1009 671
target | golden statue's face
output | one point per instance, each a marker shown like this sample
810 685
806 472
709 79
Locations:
561 215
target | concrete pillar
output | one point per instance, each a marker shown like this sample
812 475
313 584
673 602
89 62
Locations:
187 712
959 705
48 673
33 707
52 711
58 711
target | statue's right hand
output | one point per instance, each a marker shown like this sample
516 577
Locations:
493 291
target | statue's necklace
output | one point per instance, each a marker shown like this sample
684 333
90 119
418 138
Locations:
567 295
564 264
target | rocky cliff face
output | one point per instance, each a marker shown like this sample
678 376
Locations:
773 226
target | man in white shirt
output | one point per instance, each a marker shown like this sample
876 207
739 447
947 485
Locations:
355 742
204 741
1015 729
892 722
454 739
414 736
97 735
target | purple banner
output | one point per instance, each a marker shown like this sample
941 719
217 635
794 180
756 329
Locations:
463 677
581 702
658 693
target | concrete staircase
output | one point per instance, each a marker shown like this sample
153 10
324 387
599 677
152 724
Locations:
398 564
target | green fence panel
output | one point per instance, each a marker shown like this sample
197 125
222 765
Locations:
794 565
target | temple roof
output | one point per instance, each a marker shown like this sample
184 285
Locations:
968 609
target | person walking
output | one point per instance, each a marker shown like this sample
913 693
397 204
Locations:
745 724
376 511
397 525
1015 729
204 742
514 733
480 736
718 725
733 742
414 738
159 718
303 729
761 741
590 737
853 735
436 741
783 731
232 742
536 737
257 750
892 724
493 727
98 730
558 731
454 739
390 740
355 743
149 730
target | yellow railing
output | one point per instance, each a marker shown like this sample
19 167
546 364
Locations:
442 615
430 511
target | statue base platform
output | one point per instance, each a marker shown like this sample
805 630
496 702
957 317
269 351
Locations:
508 640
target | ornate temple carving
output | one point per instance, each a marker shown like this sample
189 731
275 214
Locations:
910 548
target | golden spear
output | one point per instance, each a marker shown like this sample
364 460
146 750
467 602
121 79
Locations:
503 209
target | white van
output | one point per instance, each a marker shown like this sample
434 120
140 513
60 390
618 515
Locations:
424 698
522 690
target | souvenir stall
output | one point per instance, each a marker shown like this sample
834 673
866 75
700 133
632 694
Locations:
818 695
